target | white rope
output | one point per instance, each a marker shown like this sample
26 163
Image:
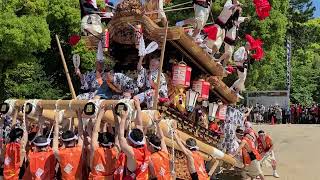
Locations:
169 10
170 132
60 112
177 5
132 113
70 104
34 104
11 103
96 103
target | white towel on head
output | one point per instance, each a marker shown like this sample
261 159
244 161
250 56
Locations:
150 48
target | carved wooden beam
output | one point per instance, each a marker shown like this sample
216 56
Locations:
222 90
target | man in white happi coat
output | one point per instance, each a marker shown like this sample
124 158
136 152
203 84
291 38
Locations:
147 81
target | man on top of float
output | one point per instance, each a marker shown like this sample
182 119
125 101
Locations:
147 80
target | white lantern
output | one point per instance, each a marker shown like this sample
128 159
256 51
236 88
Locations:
191 99
213 107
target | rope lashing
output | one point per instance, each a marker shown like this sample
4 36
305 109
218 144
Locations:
12 104
177 5
57 110
178 9
169 10
34 104
132 113
170 132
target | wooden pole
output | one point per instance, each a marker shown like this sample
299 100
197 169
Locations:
73 93
214 167
156 97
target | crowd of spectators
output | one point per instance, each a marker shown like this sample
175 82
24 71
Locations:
296 114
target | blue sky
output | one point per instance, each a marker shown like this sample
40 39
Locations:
317 5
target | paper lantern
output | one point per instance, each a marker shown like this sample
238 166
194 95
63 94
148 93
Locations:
181 75
106 40
202 87
222 112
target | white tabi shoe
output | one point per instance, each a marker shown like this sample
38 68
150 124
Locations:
275 174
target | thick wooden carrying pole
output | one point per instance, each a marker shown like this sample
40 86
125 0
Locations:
73 93
208 151
71 105
156 96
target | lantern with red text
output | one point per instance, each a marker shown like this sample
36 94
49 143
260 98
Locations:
203 88
106 40
181 75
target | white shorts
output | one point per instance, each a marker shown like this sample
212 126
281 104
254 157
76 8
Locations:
201 16
220 39
269 160
253 170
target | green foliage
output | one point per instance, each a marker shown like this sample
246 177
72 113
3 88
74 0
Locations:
27 80
87 57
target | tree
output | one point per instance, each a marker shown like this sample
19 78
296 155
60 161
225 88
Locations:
27 80
23 33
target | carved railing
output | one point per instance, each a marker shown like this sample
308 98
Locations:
187 125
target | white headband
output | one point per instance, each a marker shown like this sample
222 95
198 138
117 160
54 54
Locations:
70 139
192 147
107 145
42 144
138 143
156 147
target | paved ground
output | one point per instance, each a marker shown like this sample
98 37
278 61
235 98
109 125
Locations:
297 149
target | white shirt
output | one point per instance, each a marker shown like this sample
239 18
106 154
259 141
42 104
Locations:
240 56
143 81
226 12
232 33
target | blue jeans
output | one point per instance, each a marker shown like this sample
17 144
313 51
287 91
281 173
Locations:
104 91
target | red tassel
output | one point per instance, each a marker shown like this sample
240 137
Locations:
263 8
259 54
106 40
231 69
255 45
211 31
74 39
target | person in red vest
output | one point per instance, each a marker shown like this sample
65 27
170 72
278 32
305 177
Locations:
159 165
104 152
42 161
196 164
70 156
265 148
15 153
251 156
134 147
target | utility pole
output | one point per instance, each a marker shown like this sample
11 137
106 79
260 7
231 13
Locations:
288 75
